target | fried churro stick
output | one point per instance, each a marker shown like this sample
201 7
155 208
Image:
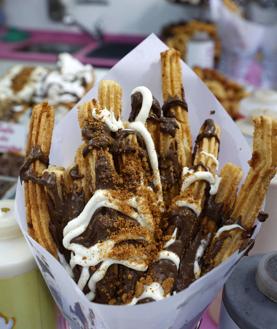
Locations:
38 148
110 96
250 198
58 187
87 180
218 208
192 199
173 95
205 159
175 137
262 169
86 154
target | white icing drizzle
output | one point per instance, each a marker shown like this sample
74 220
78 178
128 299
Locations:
199 253
152 154
101 198
189 177
154 291
228 228
108 118
210 155
170 255
83 277
138 125
98 253
100 273
172 239
193 206
146 220
147 100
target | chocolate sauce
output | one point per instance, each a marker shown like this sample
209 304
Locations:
208 130
214 211
262 216
35 154
97 137
74 173
104 173
103 224
186 272
136 103
62 205
168 126
168 106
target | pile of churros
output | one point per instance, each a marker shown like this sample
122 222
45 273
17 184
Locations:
142 212
228 92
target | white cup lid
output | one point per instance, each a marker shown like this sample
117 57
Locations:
9 228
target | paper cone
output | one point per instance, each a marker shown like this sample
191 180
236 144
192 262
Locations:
183 310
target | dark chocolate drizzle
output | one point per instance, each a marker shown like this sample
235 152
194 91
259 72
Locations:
262 216
208 130
136 103
168 106
74 173
26 173
96 137
168 126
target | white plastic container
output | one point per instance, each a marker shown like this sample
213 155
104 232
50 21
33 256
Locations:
24 299
200 51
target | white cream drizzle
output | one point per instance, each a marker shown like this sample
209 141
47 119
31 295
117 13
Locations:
98 253
154 291
84 277
172 239
210 155
170 255
147 100
199 253
228 228
138 125
152 154
108 118
145 220
100 273
193 206
190 177
101 198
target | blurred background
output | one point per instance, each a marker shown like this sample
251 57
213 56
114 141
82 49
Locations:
55 50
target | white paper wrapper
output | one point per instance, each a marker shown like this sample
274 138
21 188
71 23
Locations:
183 310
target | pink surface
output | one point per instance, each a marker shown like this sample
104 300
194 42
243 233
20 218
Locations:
207 322
11 50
